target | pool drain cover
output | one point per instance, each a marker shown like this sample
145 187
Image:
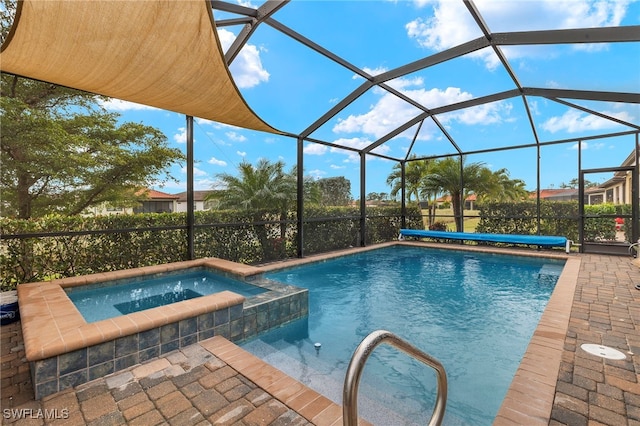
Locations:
603 351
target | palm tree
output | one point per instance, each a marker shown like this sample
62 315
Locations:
264 189
500 187
415 172
445 178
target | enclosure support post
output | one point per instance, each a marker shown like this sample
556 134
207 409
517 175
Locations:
363 204
538 188
459 216
190 207
635 195
300 198
403 193
580 199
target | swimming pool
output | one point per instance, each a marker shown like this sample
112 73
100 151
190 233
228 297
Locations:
110 299
475 312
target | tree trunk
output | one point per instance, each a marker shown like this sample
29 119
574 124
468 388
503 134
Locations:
457 212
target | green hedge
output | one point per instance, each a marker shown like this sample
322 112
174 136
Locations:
556 218
125 241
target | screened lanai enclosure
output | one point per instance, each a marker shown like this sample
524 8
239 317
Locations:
546 92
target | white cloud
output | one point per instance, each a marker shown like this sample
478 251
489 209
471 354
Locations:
587 145
196 171
357 143
237 137
246 68
241 153
120 105
216 162
574 121
336 167
492 113
317 173
452 24
315 149
181 136
391 112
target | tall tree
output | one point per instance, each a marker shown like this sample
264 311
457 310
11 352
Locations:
262 189
61 152
415 173
498 186
444 177
335 191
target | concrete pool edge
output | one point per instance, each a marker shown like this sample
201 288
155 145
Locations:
64 350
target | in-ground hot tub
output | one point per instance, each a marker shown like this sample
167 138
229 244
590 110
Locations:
65 350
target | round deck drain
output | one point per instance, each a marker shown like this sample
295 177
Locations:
603 351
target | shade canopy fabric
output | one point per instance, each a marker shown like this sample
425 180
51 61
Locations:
164 54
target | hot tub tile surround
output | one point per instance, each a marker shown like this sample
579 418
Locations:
65 351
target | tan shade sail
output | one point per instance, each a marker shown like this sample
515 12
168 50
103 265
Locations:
164 54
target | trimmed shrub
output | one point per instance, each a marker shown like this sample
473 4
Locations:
62 246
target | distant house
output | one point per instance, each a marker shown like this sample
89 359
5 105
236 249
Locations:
594 195
156 202
563 194
617 190
199 202
469 202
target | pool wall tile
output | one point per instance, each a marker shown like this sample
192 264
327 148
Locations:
46 388
236 329
169 332
101 353
126 361
222 330
166 333
72 361
74 379
188 340
205 334
221 317
101 370
149 338
44 370
235 312
188 326
126 345
170 346
149 353
205 321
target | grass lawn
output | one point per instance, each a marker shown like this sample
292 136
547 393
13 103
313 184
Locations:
446 216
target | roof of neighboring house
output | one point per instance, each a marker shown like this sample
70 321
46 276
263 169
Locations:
152 194
554 193
197 195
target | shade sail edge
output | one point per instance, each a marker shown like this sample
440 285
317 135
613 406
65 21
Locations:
164 54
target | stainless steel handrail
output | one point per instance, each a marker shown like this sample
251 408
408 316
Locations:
359 358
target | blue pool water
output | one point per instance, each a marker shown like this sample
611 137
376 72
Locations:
107 300
475 312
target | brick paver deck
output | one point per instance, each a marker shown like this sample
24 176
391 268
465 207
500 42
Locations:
606 311
194 386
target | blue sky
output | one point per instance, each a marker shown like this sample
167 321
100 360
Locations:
290 86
